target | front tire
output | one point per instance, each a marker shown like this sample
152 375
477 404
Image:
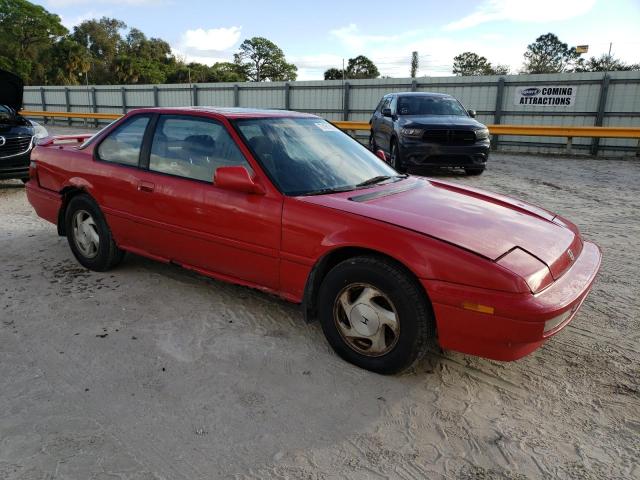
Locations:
375 315
396 157
89 236
474 170
372 143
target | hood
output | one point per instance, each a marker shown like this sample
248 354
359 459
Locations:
11 90
444 121
484 223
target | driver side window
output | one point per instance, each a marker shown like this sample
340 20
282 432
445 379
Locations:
193 147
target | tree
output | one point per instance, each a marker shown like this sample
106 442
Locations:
333 74
549 55
64 63
414 64
260 59
25 31
103 40
604 63
226 72
362 67
501 70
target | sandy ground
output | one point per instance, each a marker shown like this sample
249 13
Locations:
151 372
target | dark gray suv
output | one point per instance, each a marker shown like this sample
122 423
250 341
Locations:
428 130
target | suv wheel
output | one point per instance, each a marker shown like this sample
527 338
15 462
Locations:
473 170
396 158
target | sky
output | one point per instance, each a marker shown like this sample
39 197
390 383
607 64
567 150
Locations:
320 34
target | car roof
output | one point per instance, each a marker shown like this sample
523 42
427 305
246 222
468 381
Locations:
421 94
229 112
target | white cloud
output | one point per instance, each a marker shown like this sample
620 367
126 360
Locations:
517 11
206 59
353 39
77 20
211 40
208 46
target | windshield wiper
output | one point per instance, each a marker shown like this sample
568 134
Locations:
324 191
380 178
371 181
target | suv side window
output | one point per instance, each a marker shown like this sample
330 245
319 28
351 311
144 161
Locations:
123 144
193 147
386 103
379 107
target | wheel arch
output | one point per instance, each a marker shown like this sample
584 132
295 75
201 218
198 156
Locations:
67 193
332 258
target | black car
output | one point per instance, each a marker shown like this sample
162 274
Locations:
17 134
428 130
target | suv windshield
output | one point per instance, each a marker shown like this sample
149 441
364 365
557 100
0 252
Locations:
306 156
427 105
6 113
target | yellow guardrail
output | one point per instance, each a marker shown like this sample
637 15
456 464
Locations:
524 130
91 116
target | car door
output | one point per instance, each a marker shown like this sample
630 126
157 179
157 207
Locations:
375 118
198 225
385 126
115 179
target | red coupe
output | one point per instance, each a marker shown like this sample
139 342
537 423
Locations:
287 203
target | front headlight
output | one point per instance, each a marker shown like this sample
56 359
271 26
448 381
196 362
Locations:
412 132
39 131
482 134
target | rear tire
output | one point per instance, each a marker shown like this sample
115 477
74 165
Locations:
89 236
474 170
375 315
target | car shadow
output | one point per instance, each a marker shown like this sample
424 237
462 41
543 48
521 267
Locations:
11 184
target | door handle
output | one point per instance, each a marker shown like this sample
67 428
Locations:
146 187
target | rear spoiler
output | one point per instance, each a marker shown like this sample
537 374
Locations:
64 139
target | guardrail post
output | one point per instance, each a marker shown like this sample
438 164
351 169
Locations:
602 103
95 104
68 104
194 88
287 98
345 105
569 145
414 85
236 95
123 94
497 113
43 101
156 101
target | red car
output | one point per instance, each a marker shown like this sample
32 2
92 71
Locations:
286 203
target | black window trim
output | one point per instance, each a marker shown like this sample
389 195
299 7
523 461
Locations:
125 121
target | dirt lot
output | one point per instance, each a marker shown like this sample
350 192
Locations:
151 372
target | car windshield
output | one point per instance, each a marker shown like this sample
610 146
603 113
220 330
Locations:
306 156
426 105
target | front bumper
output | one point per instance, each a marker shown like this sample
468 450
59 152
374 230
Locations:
417 153
517 326
15 167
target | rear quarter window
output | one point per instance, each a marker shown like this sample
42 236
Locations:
124 143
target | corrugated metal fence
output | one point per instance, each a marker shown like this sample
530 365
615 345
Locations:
611 99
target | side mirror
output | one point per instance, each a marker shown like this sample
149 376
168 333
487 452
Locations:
236 179
472 113
386 112
380 154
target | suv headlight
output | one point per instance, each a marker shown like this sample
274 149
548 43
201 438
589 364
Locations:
482 133
39 132
412 132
